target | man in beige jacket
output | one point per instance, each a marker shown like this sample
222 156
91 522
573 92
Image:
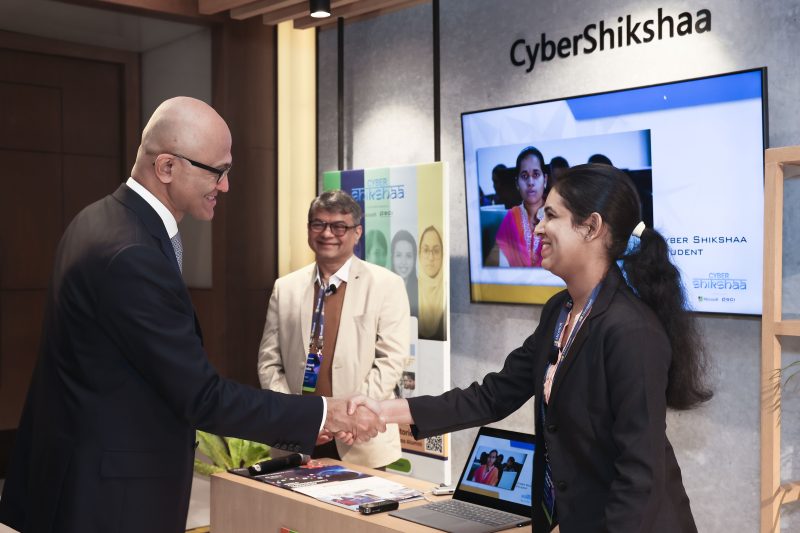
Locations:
338 326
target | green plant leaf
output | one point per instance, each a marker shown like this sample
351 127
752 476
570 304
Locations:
206 469
235 448
253 452
795 367
215 448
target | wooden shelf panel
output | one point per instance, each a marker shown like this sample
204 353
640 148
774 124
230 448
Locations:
779 165
788 328
791 492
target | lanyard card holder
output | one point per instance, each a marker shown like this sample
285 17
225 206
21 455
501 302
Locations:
313 362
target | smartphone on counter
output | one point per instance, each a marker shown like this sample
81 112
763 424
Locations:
379 506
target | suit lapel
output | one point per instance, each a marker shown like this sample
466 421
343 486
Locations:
573 354
155 226
354 298
610 284
150 220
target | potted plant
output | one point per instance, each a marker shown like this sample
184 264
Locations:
227 452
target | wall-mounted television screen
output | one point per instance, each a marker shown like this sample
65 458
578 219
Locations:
693 148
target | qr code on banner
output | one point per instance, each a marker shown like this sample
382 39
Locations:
434 444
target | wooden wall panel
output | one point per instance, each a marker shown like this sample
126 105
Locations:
203 300
245 229
21 314
245 333
20 66
30 218
30 117
69 116
86 180
92 118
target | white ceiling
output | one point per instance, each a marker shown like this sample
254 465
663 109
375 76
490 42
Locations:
97 27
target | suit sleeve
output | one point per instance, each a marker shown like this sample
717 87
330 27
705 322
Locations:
500 394
637 365
392 342
144 308
271 371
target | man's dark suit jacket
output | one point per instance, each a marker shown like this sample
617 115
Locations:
106 440
613 466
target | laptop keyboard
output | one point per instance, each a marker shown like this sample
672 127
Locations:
475 513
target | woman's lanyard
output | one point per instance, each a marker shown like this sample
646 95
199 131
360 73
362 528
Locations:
549 492
562 323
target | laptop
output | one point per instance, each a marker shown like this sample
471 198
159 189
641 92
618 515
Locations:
493 492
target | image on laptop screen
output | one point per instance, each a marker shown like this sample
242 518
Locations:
499 467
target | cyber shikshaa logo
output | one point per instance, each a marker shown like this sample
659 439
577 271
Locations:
599 37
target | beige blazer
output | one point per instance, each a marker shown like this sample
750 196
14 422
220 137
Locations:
371 347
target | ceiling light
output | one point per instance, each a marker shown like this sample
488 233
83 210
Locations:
320 8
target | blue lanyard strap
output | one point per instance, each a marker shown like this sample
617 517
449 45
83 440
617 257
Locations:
562 323
318 321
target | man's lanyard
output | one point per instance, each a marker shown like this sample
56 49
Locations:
314 358
318 322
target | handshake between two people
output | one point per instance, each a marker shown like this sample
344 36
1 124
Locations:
358 418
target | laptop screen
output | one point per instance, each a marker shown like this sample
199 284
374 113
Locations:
499 471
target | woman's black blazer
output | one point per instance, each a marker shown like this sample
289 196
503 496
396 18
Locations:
613 466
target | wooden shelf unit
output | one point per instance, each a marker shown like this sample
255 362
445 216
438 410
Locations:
780 164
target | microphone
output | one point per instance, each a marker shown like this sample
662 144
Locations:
279 463
331 289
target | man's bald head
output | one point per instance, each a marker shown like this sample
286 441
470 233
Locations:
184 145
183 125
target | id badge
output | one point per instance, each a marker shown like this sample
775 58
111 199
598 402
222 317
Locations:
313 363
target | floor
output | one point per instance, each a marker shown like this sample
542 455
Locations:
199 506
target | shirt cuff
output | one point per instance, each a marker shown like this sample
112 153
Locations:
324 412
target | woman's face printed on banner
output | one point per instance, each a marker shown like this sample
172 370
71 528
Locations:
430 253
403 258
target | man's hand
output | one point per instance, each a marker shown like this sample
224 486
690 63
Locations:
362 423
394 411
324 437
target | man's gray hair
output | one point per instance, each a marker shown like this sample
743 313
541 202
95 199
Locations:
337 201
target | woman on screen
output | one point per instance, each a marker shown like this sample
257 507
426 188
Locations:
518 243
487 473
431 285
404 264
608 357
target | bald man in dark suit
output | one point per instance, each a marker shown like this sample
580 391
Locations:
106 439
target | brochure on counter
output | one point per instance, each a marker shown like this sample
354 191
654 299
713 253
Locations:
336 484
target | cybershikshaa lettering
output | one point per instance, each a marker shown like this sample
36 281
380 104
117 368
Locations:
600 36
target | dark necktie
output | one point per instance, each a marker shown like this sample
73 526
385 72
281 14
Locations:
177 245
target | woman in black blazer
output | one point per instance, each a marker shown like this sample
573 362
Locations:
606 360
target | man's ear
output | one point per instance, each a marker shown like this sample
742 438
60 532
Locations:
359 230
163 167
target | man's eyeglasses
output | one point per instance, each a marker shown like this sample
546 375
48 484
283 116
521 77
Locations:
337 228
220 172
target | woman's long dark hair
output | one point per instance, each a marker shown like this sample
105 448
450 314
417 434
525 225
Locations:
603 189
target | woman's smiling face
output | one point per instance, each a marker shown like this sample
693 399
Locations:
562 242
